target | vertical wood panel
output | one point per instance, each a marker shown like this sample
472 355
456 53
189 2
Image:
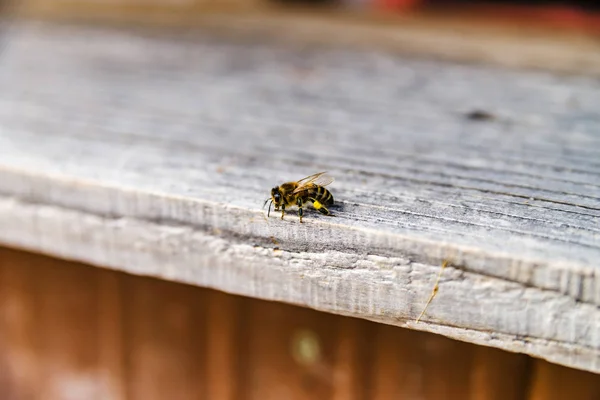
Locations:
351 368
111 350
499 375
165 338
223 354
18 326
67 328
398 367
554 382
447 366
284 362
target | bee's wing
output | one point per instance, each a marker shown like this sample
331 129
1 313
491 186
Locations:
310 178
321 179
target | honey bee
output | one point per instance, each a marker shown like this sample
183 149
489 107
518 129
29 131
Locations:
309 189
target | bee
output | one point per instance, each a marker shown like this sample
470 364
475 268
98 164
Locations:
309 189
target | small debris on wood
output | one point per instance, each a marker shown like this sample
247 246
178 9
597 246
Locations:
480 115
435 289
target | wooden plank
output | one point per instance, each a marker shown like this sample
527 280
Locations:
399 365
290 353
161 157
68 325
554 382
111 344
497 375
225 357
18 333
414 365
166 337
351 360
442 382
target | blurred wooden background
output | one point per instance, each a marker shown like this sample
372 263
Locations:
71 331
560 37
565 14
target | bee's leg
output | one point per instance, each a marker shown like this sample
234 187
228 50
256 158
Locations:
282 210
300 211
320 207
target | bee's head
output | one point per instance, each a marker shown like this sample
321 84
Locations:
276 196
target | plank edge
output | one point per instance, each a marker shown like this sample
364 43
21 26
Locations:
98 248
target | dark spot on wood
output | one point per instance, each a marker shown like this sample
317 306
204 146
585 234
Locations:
480 115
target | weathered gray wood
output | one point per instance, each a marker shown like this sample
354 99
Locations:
153 155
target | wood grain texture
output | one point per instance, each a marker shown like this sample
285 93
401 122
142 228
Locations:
153 155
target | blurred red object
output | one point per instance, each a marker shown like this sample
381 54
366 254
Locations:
398 5
555 16
550 16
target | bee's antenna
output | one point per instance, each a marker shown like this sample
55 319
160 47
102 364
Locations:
266 202
270 204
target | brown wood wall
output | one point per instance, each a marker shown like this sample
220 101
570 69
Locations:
71 331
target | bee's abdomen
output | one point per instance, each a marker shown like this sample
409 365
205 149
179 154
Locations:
320 194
